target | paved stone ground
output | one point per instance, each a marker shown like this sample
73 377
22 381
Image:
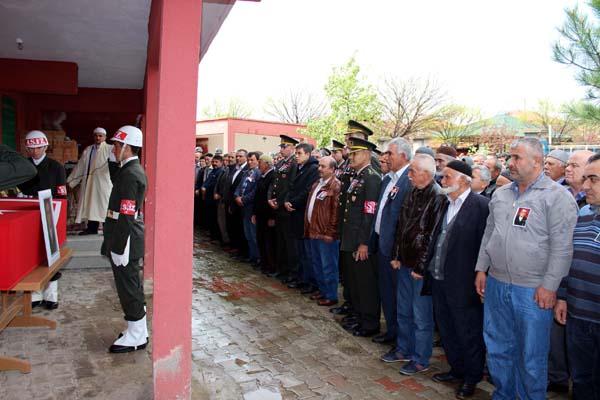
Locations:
253 339
72 361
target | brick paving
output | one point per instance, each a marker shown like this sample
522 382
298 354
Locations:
253 339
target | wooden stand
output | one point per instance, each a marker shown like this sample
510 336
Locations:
16 310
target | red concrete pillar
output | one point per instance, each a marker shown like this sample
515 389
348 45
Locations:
173 56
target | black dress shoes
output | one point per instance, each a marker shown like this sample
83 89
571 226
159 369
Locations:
287 280
349 318
294 285
361 332
558 387
446 377
308 289
344 309
466 390
351 326
50 305
383 339
35 304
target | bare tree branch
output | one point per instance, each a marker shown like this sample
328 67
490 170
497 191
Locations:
410 106
296 107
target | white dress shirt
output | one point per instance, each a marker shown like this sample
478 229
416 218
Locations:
313 198
455 205
394 179
237 172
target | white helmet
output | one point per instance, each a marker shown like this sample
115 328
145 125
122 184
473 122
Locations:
129 135
100 131
36 139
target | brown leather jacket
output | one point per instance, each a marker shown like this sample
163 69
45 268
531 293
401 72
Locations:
420 213
324 220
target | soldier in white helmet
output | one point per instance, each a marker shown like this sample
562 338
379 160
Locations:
124 236
93 177
50 175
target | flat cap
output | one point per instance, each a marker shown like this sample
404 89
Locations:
560 155
461 167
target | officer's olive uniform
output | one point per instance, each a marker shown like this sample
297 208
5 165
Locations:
357 214
126 198
344 173
285 172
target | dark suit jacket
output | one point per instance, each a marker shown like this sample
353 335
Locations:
464 240
234 183
210 183
298 194
384 242
262 210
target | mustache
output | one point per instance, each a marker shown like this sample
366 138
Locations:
449 189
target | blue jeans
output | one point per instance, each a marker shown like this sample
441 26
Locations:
388 286
583 350
415 319
250 234
325 257
305 272
517 335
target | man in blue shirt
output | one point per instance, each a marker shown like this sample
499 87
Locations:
579 295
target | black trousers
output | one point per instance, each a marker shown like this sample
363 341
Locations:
266 238
364 290
92 226
344 279
461 331
130 289
287 257
235 229
211 220
197 210
558 367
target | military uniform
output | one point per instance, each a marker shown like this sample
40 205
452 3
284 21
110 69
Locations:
345 174
285 173
50 175
123 228
357 214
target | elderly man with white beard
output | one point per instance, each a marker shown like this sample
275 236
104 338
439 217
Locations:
450 275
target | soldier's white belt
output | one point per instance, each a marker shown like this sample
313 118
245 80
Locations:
115 215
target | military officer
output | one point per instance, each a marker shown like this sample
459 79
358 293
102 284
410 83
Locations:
50 175
357 215
124 236
285 172
345 173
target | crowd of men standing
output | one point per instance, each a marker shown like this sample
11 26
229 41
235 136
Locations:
497 253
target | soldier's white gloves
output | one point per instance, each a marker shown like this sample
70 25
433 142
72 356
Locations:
121 259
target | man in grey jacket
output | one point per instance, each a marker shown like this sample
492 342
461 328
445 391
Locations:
526 249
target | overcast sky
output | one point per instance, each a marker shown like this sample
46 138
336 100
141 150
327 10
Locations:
492 55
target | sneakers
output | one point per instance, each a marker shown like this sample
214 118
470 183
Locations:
393 356
412 367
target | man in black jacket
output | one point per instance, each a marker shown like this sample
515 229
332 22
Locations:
235 227
264 216
208 196
295 204
450 274
285 172
419 215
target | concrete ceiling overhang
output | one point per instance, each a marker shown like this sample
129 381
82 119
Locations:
107 39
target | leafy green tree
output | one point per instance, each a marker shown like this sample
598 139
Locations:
233 108
456 123
579 47
348 97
